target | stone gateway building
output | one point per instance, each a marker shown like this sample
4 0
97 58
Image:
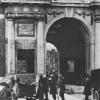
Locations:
72 26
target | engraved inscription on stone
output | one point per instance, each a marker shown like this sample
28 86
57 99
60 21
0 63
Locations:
25 29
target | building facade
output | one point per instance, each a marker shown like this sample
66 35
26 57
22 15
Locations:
26 26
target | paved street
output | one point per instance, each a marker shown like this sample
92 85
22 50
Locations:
77 95
67 97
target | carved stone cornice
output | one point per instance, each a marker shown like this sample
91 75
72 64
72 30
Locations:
2 10
97 14
26 1
55 11
24 11
94 5
97 18
82 12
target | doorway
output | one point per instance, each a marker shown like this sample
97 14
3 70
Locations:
25 61
68 35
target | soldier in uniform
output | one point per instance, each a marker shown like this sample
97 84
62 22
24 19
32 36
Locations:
61 85
87 88
39 94
53 90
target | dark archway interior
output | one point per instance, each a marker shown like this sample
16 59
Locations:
66 35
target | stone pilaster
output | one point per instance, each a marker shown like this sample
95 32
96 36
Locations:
11 47
96 8
87 57
2 41
40 47
97 44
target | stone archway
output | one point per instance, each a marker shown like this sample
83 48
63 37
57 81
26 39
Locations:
76 51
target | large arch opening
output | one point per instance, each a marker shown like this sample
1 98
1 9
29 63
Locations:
70 38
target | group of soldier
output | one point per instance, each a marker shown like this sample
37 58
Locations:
52 83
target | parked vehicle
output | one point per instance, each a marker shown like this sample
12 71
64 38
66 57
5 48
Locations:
95 77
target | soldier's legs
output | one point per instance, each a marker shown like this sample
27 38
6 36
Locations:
62 96
86 97
41 97
46 95
54 96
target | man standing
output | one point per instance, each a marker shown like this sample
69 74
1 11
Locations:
87 88
53 90
45 87
61 85
39 94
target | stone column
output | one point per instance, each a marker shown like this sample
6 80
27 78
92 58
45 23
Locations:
97 44
40 47
11 47
87 57
92 55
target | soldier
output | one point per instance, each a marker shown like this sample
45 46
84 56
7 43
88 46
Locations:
87 88
45 87
39 94
61 85
53 90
